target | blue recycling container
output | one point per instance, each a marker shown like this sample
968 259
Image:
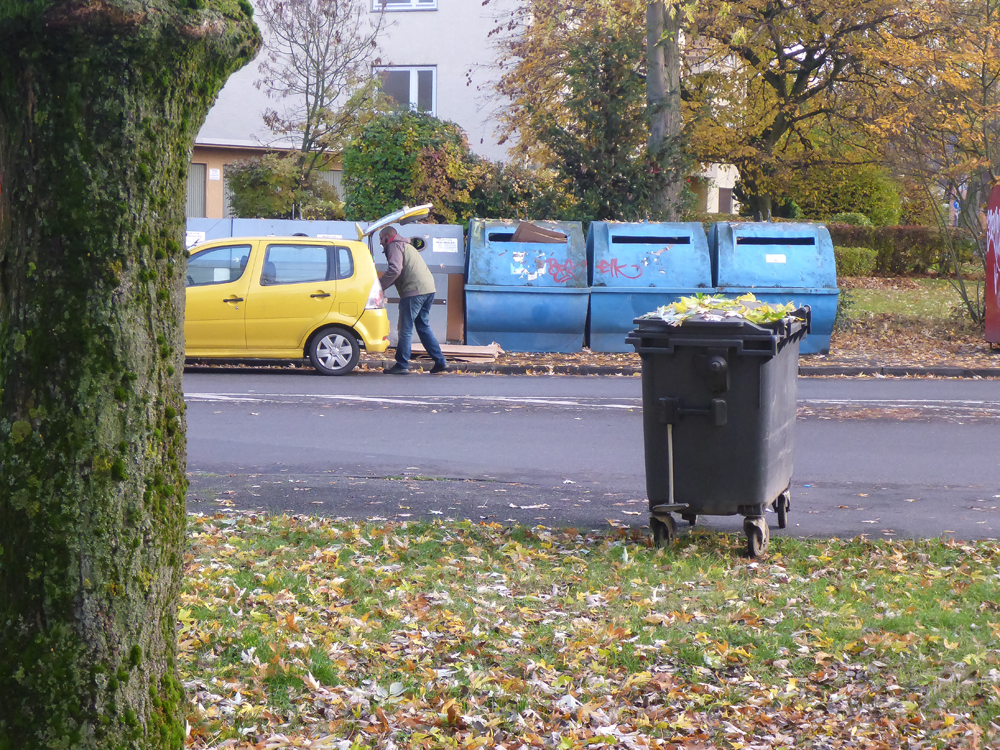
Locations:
636 268
780 263
526 296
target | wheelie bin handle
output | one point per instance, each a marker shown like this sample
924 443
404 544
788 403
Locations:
672 409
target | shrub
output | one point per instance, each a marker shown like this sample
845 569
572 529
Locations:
413 158
511 191
902 249
707 219
855 261
825 192
274 187
855 220
408 158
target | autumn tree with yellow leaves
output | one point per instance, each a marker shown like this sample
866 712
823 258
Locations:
579 96
941 120
774 87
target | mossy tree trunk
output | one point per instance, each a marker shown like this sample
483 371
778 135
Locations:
100 101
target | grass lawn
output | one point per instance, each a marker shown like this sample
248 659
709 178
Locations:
310 632
928 299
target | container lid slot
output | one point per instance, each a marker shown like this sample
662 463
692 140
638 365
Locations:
649 240
775 240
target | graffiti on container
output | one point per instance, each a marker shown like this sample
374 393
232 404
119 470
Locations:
527 269
562 272
616 269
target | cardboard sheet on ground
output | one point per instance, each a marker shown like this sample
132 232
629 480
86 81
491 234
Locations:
459 353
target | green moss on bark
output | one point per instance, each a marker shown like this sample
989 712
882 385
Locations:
99 105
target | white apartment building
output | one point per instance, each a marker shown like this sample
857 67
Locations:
436 55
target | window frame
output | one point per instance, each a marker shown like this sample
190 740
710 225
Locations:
415 84
267 255
378 6
334 271
338 272
208 251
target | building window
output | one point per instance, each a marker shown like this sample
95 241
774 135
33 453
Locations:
196 191
415 88
390 5
335 179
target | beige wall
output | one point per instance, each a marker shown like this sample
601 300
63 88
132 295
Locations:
719 176
215 158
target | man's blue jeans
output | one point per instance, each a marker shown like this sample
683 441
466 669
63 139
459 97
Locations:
415 312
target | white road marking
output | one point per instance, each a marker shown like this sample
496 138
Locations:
272 397
630 404
898 401
263 397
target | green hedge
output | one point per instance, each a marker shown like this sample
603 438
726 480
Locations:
901 250
855 261
858 220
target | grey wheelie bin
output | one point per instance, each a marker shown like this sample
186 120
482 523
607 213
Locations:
718 410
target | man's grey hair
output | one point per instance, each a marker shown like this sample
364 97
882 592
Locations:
387 233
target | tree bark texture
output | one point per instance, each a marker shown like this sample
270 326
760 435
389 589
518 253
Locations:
99 105
663 100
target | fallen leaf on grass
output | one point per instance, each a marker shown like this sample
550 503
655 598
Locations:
312 633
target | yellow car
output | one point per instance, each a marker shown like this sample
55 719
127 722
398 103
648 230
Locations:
284 298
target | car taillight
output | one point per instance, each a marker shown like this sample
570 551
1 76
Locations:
376 297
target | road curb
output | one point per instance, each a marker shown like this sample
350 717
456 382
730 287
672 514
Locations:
492 368
804 370
899 372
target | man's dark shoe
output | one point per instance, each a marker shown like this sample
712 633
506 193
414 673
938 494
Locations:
439 368
397 369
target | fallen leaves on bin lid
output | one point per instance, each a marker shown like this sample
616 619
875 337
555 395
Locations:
717 308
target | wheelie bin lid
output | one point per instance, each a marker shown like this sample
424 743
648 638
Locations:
744 323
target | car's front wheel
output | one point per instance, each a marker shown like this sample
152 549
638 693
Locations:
334 351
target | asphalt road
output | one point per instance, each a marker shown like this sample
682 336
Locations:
892 457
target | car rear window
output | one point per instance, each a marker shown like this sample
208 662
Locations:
295 264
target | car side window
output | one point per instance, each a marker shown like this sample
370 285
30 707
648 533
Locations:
345 262
218 265
295 264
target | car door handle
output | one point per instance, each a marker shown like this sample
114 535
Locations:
233 299
321 294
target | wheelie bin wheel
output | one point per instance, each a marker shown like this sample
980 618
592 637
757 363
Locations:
664 530
691 518
758 536
782 505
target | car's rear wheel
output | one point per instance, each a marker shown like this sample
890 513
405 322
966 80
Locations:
334 351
